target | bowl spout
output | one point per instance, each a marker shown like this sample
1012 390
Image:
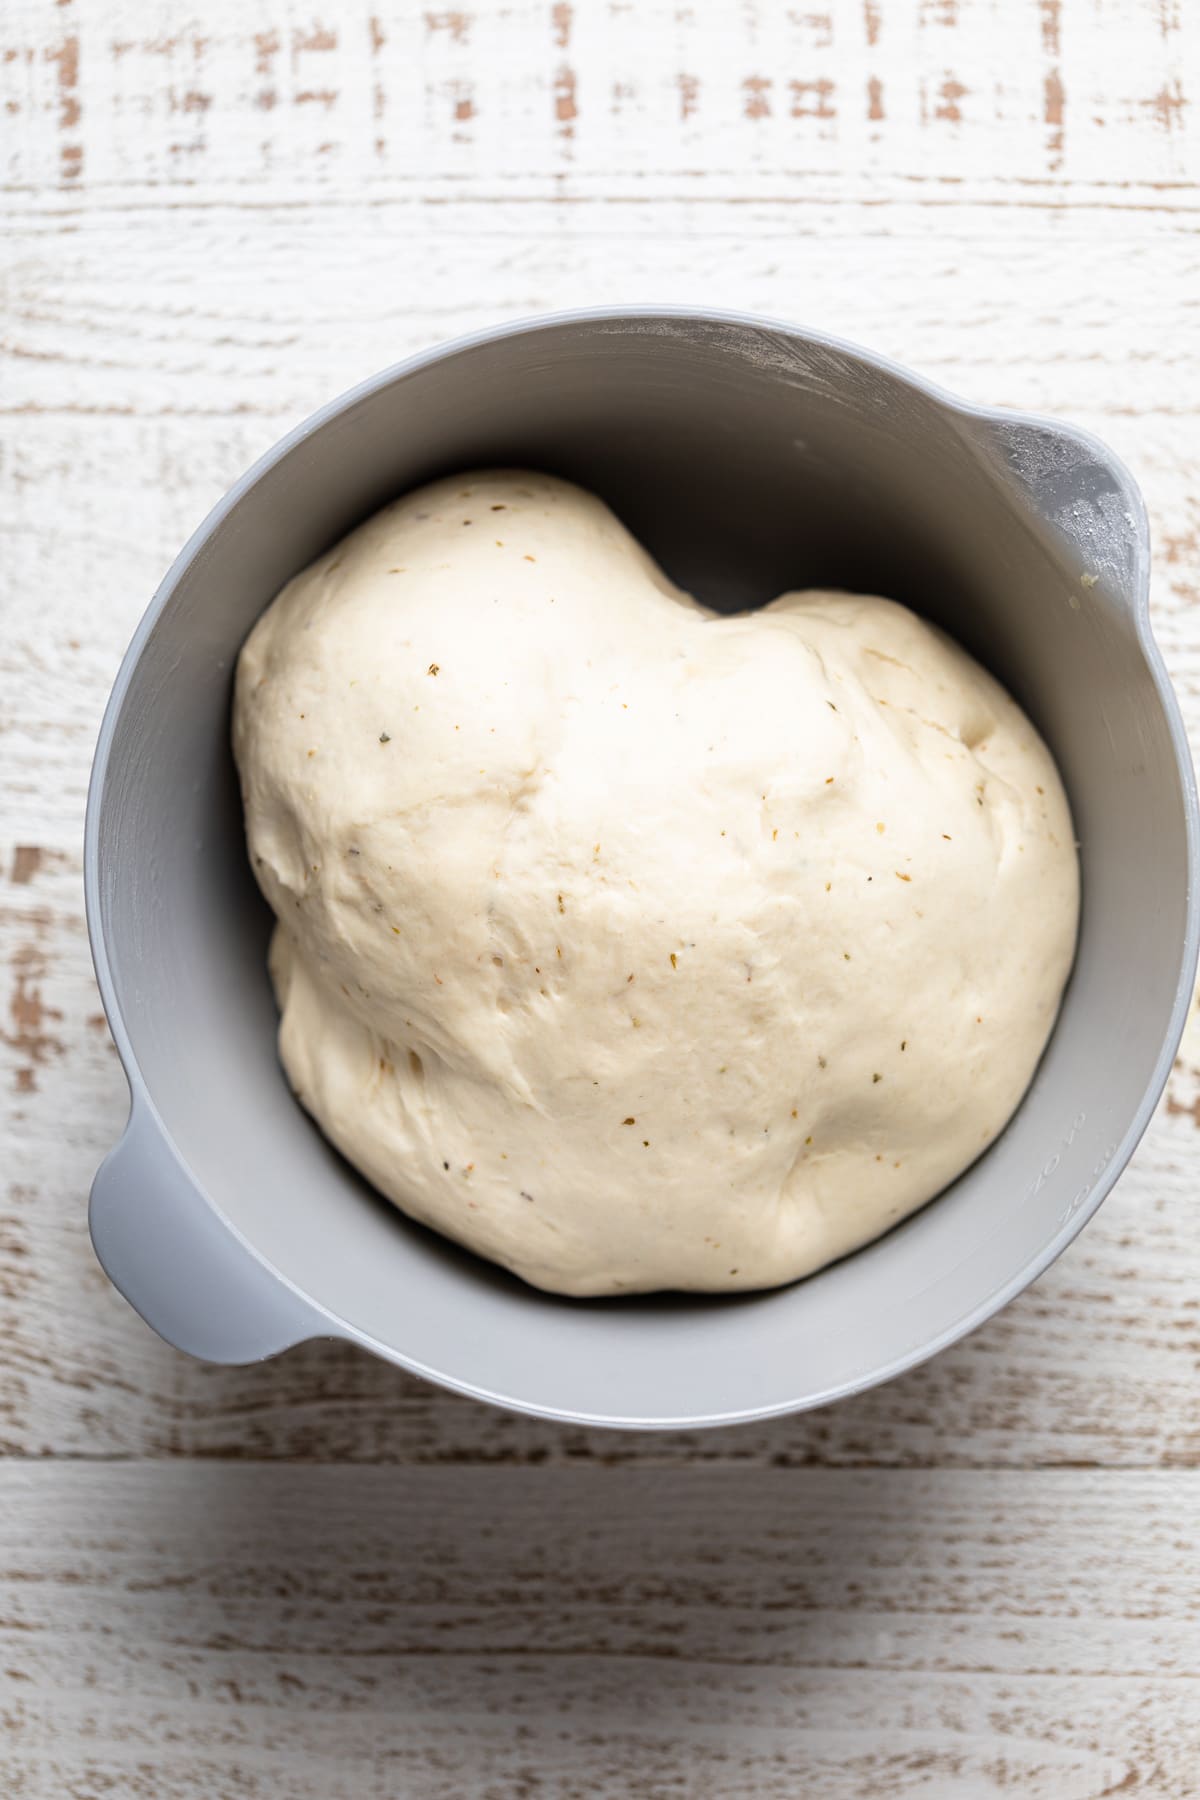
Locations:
1073 490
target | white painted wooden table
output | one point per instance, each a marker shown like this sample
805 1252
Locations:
318 1577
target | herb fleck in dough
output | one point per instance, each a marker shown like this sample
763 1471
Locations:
625 863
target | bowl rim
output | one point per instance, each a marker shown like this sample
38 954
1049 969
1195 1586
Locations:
327 1323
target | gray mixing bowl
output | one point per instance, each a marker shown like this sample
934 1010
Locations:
750 457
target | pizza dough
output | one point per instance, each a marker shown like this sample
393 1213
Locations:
633 946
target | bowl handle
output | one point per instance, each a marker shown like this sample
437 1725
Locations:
1079 492
179 1264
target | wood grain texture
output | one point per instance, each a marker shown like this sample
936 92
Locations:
980 1579
184 1630
871 96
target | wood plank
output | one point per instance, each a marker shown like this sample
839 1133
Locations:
109 312
197 1631
1051 98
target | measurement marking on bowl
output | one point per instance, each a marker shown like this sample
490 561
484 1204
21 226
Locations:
1051 1165
1048 1168
1076 1201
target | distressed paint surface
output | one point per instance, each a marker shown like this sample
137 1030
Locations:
447 1632
979 1579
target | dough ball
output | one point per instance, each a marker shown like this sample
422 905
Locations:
634 946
